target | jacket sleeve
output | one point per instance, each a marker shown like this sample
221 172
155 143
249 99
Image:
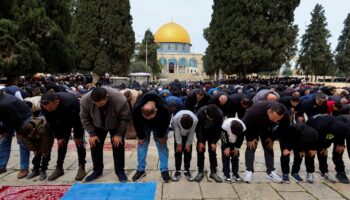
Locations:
191 134
85 118
176 127
224 139
239 142
137 119
248 120
123 118
199 130
77 126
164 124
46 140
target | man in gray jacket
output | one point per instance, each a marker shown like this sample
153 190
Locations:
184 124
102 111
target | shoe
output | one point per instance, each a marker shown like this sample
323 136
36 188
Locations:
3 170
81 173
285 178
57 173
93 176
248 176
176 176
199 177
297 178
42 175
215 177
122 177
342 178
236 177
166 176
188 175
328 177
310 177
138 175
33 174
274 177
22 173
227 178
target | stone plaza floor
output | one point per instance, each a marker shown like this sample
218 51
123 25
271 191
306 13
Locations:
261 188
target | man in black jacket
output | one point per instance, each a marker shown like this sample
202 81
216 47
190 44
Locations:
312 105
239 103
264 120
14 114
331 130
61 111
220 99
208 130
197 99
151 115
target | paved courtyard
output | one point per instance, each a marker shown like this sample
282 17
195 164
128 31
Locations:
261 188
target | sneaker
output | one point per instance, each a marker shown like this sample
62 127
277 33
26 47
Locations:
165 176
328 177
274 177
92 176
3 170
285 178
215 177
33 174
227 178
42 175
342 178
57 173
188 175
248 176
310 177
236 177
122 177
297 177
138 175
81 173
176 176
22 173
199 177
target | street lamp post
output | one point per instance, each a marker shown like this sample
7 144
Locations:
146 50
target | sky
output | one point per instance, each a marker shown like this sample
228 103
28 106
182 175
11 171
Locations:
195 15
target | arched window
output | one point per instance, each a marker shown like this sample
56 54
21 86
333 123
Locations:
172 65
182 62
193 62
163 61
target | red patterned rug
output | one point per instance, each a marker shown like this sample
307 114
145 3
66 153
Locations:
33 192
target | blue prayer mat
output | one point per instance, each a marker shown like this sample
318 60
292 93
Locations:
111 191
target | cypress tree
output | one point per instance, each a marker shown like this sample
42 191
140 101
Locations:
343 49
315 56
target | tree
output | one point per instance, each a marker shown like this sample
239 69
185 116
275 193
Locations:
343 49
139 66
59 12
18 56
152 61
247 36
315 56
103 34
55 47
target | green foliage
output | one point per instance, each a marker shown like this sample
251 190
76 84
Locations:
287 71
152 61
315 56
139 66
343 49
103 34
247 36
17 56
59 12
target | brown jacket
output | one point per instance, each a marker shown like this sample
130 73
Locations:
117 114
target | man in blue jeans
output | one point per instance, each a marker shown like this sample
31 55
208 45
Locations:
151 115
14 114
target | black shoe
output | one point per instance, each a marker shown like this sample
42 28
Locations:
33 174
227 178
57 173
216 177
81 173
176 176
138 175
236 177
122 177
166 177
3 170
342 178
93 176
199 177
188 175
42 175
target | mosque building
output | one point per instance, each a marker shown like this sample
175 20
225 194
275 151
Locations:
174 54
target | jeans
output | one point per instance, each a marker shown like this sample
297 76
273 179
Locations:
62 151
227 160
5 151
41 162
296 163
212 158
268 154
163 152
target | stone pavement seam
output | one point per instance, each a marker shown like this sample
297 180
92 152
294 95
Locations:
324 183
276 189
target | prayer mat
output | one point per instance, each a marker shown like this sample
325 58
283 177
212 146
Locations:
111 191
33 192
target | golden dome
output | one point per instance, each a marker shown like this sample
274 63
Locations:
172 32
